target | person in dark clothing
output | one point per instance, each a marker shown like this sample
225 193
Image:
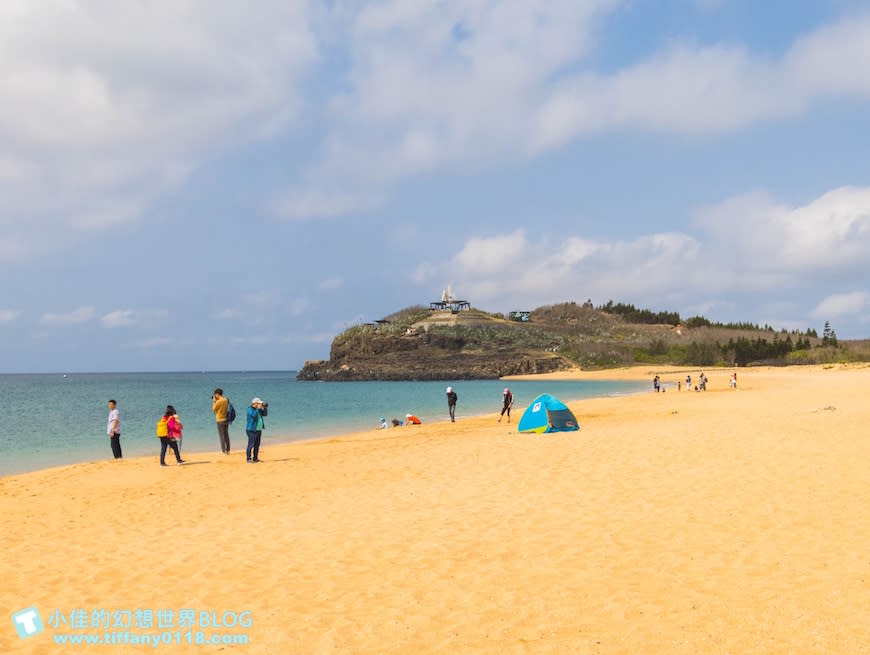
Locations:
506 403
451 403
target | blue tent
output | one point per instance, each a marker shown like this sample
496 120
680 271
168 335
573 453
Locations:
547 414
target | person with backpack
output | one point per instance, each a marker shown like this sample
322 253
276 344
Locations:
163 435
254 428
224 414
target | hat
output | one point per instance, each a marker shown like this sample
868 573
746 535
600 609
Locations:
449 389
383 418
256 401
407 416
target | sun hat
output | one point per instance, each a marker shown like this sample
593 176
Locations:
407 416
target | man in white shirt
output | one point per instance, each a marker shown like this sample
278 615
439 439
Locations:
113 429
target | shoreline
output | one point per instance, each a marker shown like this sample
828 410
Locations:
281 439
635 373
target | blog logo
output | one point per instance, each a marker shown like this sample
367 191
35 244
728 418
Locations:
28 622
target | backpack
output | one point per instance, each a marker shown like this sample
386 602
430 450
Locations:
231 411
162 427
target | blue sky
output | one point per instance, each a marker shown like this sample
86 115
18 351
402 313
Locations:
189 186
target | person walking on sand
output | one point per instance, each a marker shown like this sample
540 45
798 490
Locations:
174 428
220 407
451 403
254 428
507 401
163 435
113 429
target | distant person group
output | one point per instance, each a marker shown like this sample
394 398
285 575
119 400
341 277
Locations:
409 419
507 403
658 385
170 428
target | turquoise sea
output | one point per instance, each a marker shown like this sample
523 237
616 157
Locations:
53 419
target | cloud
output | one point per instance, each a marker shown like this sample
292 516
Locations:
514 268
106 107
299 306
8 315
228 314
79 315
118 318
777 241
746 244
467 85
332 283
842 304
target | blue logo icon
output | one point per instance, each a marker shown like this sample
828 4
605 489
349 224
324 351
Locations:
28 622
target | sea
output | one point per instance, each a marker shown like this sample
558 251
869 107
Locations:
50 420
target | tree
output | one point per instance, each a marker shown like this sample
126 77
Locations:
829 337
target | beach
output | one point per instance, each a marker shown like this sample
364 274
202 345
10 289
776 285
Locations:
679 522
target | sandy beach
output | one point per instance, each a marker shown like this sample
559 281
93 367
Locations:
677 522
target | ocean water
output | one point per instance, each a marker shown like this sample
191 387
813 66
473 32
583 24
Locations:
53 419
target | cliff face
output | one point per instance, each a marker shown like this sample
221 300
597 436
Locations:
423 365
439 346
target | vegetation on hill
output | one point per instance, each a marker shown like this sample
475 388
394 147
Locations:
417 343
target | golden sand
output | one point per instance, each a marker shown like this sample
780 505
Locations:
678 522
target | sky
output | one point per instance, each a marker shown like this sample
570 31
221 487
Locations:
226 186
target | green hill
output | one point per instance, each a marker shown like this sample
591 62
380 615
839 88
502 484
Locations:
417 343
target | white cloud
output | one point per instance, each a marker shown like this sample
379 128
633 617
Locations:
299 306
516 269
763 237
79 315
474 83
228 314
8 315
106 106
843 304
331 283
118 318
746 244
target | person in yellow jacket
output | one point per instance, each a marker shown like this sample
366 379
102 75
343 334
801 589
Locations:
163 435
220 406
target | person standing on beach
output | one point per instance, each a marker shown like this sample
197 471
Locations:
174 429
220 406
451 403
113 429
507 402
254 428
163 435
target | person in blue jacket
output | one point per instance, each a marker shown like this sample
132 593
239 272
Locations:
254 428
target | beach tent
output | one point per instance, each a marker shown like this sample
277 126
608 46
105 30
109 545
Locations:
547 414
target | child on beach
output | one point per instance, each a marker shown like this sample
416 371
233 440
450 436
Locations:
174 428
163 435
